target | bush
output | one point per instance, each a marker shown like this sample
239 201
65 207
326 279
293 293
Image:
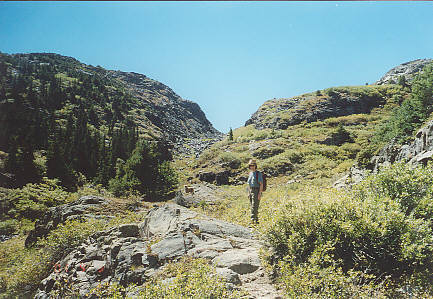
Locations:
312 279
412 112
406 186
32 200
8 227
383 230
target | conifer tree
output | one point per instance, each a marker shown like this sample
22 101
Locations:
231 134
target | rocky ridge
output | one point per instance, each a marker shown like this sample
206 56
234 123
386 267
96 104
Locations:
135 252
156 108
282 113
419 151
176 118
409 70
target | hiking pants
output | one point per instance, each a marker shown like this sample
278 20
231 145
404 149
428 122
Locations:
254 201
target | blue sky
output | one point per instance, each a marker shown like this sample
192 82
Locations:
229 57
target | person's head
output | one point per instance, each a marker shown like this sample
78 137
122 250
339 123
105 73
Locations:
252 165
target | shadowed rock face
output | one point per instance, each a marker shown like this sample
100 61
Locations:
409 70
132 253
173 116
419 151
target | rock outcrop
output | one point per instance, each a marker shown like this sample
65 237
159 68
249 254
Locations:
409 70
282 113
79 209
174 117
419 151
354 176
132 253
195 146
218 178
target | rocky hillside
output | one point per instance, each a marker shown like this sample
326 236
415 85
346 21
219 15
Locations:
419 151
308 135
154 107
80 119
331 102
320 137
407 70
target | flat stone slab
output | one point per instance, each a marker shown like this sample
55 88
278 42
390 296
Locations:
241 261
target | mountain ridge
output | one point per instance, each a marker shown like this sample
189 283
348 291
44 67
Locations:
334 101
167 114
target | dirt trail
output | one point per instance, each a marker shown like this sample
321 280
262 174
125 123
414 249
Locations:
259 285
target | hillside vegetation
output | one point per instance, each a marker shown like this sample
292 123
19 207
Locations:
77 123
369 240
372 241
318 150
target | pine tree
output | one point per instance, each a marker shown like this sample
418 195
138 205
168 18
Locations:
145 172
231 134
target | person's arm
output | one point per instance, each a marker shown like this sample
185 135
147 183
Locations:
248 184
261 186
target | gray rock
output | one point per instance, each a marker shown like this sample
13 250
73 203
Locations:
125 254
409 70
229 275
58 215
353 177
242 261
203 195
419 151
172 246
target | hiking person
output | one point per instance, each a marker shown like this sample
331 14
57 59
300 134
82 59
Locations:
255 189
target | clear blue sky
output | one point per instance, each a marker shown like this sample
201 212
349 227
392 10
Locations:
229 57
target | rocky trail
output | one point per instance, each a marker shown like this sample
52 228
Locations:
135 252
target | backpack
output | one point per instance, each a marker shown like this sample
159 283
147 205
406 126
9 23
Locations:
264 179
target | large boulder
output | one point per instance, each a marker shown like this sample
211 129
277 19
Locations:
79 209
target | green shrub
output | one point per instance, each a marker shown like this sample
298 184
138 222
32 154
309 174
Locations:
412 112
267 152
8 227
405 185
207 155
383 229
32 200
319 277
